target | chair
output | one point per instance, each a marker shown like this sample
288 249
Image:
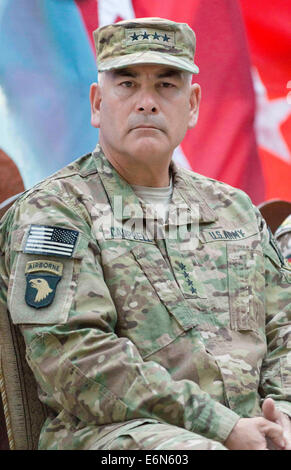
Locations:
22 414
275 212
4 206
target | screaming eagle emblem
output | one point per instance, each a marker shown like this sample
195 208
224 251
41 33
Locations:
42 287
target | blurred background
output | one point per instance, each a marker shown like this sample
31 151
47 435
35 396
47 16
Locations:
47 63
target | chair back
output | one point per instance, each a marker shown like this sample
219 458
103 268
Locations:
22 414
4 206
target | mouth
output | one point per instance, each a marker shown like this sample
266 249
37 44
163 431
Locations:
146 127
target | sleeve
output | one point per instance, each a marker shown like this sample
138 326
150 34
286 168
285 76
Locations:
78 359
276 367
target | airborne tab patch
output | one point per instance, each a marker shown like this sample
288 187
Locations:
53 241
37 265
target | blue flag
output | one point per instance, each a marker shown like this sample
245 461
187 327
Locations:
46 67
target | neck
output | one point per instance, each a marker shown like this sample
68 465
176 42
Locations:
151 173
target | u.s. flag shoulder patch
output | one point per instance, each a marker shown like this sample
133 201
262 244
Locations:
50 240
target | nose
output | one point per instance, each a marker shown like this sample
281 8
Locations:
148 109
146 102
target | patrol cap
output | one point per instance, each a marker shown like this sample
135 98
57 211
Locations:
145 41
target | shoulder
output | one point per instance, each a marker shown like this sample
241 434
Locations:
210 186
68 186
63 199
221 197
65 181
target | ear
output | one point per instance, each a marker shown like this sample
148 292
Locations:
95 100
195 97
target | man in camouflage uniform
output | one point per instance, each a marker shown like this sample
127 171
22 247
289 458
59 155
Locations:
149 329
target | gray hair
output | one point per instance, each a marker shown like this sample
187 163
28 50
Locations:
100 78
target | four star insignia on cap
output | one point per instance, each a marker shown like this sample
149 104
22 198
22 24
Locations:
149 35
145 40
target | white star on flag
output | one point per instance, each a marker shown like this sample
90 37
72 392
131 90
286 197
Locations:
270 114
109 10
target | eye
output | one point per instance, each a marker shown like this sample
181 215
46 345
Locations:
167 85
127 84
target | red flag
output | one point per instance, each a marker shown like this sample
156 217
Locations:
268 29
222 145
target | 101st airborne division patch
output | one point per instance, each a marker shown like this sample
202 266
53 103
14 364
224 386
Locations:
42 277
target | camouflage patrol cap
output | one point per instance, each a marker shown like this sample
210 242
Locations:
145 41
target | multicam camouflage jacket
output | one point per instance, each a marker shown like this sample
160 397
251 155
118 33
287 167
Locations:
127 320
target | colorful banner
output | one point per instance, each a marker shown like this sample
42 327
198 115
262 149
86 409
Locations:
268 31
46 68
222 145
47 64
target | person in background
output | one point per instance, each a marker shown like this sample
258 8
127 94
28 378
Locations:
283 238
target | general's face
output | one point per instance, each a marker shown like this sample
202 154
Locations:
144 111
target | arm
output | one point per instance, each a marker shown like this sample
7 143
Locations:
274 427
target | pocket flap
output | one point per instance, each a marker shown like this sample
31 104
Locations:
160 276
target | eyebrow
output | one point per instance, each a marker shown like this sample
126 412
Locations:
170 73
123 73
127 72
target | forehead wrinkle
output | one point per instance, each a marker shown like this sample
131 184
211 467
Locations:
125 72
132 72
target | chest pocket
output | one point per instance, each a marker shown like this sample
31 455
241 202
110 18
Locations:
151 310
246 284
236 286
41 287
160 277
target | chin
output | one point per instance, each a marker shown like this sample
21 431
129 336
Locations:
149 149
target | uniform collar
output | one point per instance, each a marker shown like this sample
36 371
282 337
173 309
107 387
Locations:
185 189
120 194
185 194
